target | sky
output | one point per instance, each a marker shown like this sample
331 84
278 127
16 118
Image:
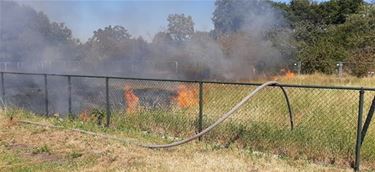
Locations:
141 17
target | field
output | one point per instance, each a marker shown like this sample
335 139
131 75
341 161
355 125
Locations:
330 80
324 129
26 147
324 120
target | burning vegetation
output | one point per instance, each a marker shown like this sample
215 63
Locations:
183 97
288 74
186 96
85 115
132 101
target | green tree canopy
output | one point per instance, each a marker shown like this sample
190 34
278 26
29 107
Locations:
180 27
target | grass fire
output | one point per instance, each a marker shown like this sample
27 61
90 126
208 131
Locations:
132 101
261 85
186 96
183 96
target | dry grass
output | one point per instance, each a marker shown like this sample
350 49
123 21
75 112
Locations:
329 80
64 150
30 148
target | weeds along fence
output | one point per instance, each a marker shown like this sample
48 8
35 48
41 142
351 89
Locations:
329 124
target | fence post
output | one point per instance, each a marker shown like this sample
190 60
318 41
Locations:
200 117
108 111
299 67
46 94
359 129
2 90
340 64
69 95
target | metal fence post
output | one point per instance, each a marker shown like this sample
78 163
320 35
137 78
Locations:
359 130
46 94
69 95
299 68
2 90
108 110
200 117
340 64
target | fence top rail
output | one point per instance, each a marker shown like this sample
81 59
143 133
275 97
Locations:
194 81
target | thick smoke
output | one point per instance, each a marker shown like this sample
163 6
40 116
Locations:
30 42
254 34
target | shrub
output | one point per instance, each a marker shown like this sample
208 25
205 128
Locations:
362 61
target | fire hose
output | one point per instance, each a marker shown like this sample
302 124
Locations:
220 120
191 138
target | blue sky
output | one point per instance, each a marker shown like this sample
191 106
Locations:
141 17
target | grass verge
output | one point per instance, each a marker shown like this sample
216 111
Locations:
32 148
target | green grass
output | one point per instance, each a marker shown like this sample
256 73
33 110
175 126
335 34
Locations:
72 151
325 121
42 149
75 154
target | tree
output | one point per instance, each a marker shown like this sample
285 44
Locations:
180 27
322 55
110 35
29 35
320 49
162 38
358 33
252 34
328 12
336 11
228 16
362 61
108 42
304 10
59 33
329 31
231 16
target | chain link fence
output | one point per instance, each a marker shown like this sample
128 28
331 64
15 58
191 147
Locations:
323 126
339 68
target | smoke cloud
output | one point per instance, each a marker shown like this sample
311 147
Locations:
30 42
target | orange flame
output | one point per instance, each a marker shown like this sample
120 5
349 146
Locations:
289 74
186 96
85 115
286 74
132 100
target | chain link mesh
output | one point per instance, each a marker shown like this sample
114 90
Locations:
325 120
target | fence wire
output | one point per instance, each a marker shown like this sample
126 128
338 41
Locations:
324 119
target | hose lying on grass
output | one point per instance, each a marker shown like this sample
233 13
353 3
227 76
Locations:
177 143
220 120
128 141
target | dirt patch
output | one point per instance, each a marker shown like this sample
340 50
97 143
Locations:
26 151
9 122
41 157
17 146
